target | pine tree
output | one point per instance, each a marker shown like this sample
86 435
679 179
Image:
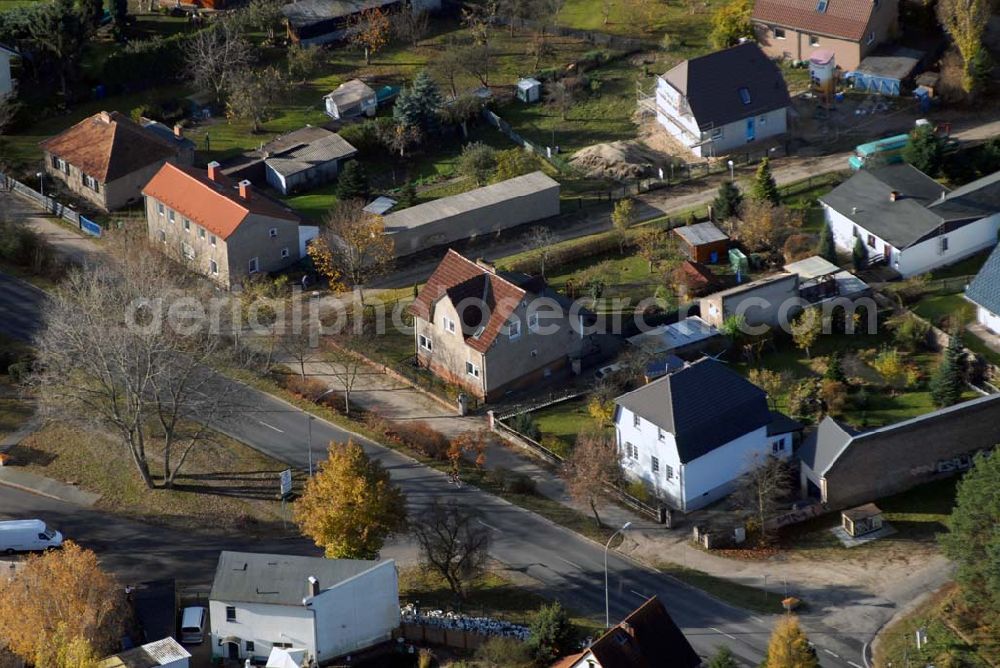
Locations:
947 383
789 647
353 182
835 368
417 106
827 248
973 540
727 203
859 255
764 188
408 194
925 151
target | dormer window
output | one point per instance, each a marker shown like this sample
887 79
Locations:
514 330
745 95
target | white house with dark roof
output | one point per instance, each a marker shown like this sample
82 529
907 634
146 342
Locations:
911 222
692 433
984 292
723 101
329 607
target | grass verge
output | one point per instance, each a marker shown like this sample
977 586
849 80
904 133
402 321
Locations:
733 593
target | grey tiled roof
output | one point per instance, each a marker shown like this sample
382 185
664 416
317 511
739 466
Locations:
700 233
984 289
704 405
712 85
973 200
822 447
278 579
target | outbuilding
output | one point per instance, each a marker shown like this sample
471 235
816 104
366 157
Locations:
704 242
861 520
351 98
529 90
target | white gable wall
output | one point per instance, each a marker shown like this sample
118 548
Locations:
357 613
264 625
646 439
987 319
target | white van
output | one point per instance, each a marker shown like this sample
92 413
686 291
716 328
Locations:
27 536
193 625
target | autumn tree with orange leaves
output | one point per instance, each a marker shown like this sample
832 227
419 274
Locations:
60 610
352 245
370 30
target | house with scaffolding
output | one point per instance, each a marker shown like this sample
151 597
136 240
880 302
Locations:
720 102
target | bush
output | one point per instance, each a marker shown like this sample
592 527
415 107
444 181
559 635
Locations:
524 423
421 437
305 388
511 481
638 489
556 445
504 653
22 246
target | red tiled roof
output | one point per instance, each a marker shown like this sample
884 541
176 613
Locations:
108 146
698 273
846 19
648 637
461 279
215 205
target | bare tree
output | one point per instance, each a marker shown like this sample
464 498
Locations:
112 356
593 465
762 488
214 55
454 543
476 60
252 94
345 368
409 25
560 96
540 239
299 344
539 47
447 64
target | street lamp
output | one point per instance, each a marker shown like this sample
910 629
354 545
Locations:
732 173
607 605
41 182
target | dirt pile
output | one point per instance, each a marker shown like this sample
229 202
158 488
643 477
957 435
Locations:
617 160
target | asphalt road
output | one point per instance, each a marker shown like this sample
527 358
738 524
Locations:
568 566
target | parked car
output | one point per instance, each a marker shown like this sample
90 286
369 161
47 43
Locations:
193 622
28 536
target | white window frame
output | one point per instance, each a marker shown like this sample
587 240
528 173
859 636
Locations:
471 369
668 472
201 232
273 233
636 421
91 182
448 324
716 133
285 253
253 266
212 240
533 321
779 33
654 464
160 209
813 40
514 330
171 216
425 342
660 435
213 267
630 451
187 225
778 446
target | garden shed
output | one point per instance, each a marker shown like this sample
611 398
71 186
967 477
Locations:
704 242
885 75
351 98
529 90
861 520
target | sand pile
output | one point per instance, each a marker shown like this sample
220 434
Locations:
617 160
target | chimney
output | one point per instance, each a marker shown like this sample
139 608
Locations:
894 195
244 189
485 264
628 628
178 131
213 170
854 210
313 586
105 117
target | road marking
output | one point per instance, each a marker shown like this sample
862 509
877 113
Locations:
490 527
833 654
758 620
851 663
571 563
722 632
271 426
639 594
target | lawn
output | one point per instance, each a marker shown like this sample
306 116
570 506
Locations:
687 22
939 309
14 412
734 593
224 483
945 618
563 420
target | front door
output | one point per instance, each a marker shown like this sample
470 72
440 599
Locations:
233 650
751 130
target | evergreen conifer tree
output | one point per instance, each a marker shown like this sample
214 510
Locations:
947 383
764 187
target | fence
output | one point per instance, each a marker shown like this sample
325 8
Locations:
49 204
503 126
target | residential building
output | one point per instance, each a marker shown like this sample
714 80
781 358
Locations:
704 242
771 301
647 637
296 162
476 213
350 99
723 101
984 292
165 653
107 158
843 468
692 433
7 83
909 221
328 607
850 29
224 230
491 332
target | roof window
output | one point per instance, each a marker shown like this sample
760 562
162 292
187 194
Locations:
821 6
745 95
